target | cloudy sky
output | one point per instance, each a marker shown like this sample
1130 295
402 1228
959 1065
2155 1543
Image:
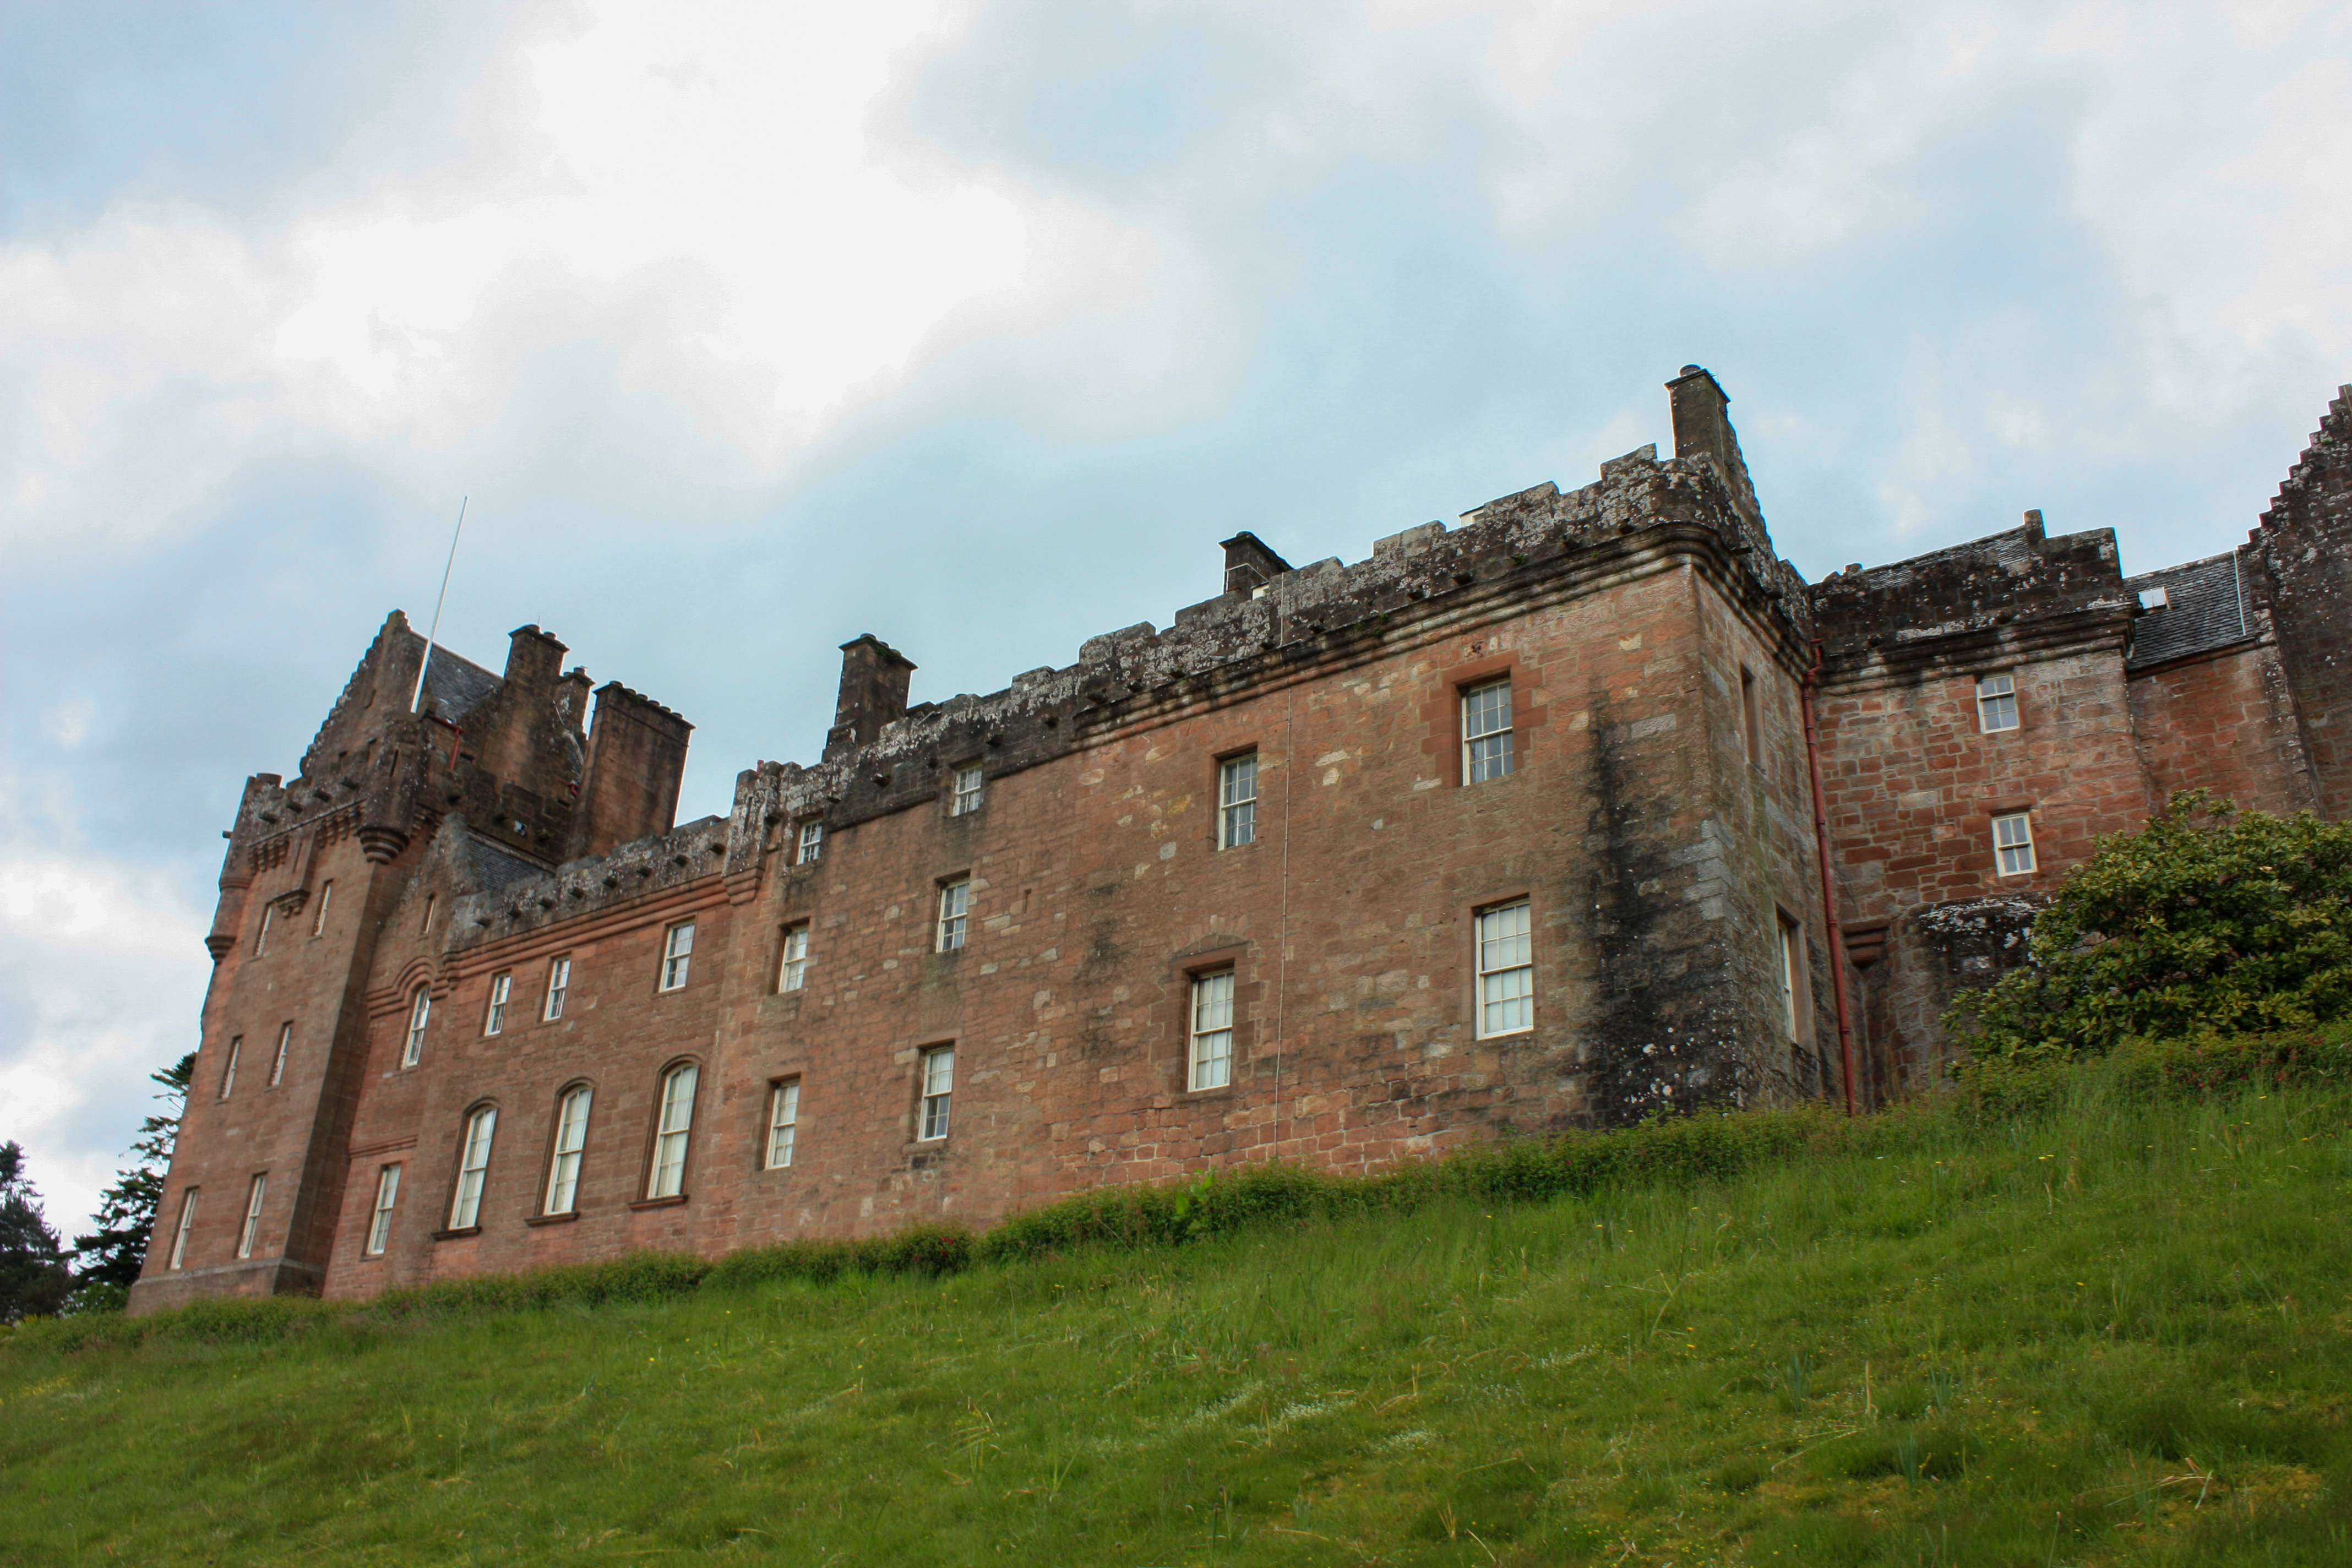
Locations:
746 328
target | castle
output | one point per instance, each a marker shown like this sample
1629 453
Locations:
1585 807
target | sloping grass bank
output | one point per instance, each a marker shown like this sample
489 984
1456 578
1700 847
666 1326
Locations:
2071 1315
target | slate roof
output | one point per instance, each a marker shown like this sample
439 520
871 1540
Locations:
498 866
455 686
2205 609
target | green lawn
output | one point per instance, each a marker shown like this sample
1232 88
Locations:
2115 1333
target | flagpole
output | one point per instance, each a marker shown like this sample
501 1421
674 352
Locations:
416 698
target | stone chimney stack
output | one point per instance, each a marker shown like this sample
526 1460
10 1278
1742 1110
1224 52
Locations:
636 757
1249 564
1703 429
511 747
873 678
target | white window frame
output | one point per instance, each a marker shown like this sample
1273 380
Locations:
1237 810
559 983
1209 1053
179 1232
251 1230
420 1014
326 897
285 1045
954 926
677 956
563 1192
971 791
1481 758
261 937
228 1071
792 967
494 1021
387 1194
1996 704
2012 844
811 849
473 1167
937 1088
784 1122
1506 959
674 1131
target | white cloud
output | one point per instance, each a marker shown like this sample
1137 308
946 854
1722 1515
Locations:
109 968
698 191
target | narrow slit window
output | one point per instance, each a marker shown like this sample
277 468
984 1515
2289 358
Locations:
670 1134
1751 717
2012 843
261 937
1212 1030
677 955
420 1009
938 1089
387 1194
180 1233
570 1141
1507 970
955 912
1996 702
792 973
812 845
970 789
1237 801
326 897
278 1062
1487 732
1793 971
228 1069
783 1124
559 983
251 1230
501 987
473 1168
432 905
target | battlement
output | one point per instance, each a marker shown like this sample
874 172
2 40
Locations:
2002 596
1536 546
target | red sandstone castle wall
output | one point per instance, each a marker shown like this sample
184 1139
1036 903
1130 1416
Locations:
1098 891
2222 722
1912 784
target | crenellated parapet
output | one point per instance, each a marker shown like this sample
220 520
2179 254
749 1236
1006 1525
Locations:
1539 546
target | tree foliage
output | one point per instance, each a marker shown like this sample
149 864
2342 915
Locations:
2208 920
126 1211
34 1280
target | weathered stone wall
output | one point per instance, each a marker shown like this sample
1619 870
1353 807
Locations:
1912 782
2223 721
2306 543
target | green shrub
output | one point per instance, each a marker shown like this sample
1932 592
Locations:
2209 921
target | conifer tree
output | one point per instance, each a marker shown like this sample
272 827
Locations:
126 1211
32 1274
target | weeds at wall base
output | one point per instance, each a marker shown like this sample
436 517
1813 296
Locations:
1987 1095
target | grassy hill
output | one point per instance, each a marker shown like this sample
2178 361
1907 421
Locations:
2115 1329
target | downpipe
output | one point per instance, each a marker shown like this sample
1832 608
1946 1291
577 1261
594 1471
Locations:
1829 882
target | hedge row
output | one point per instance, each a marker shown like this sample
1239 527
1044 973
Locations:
1677 1151
2001 1088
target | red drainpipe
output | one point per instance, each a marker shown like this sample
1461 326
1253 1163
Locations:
1829 881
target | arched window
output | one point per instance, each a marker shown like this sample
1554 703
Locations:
668 1177
420 1008
571 1138
473 1168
